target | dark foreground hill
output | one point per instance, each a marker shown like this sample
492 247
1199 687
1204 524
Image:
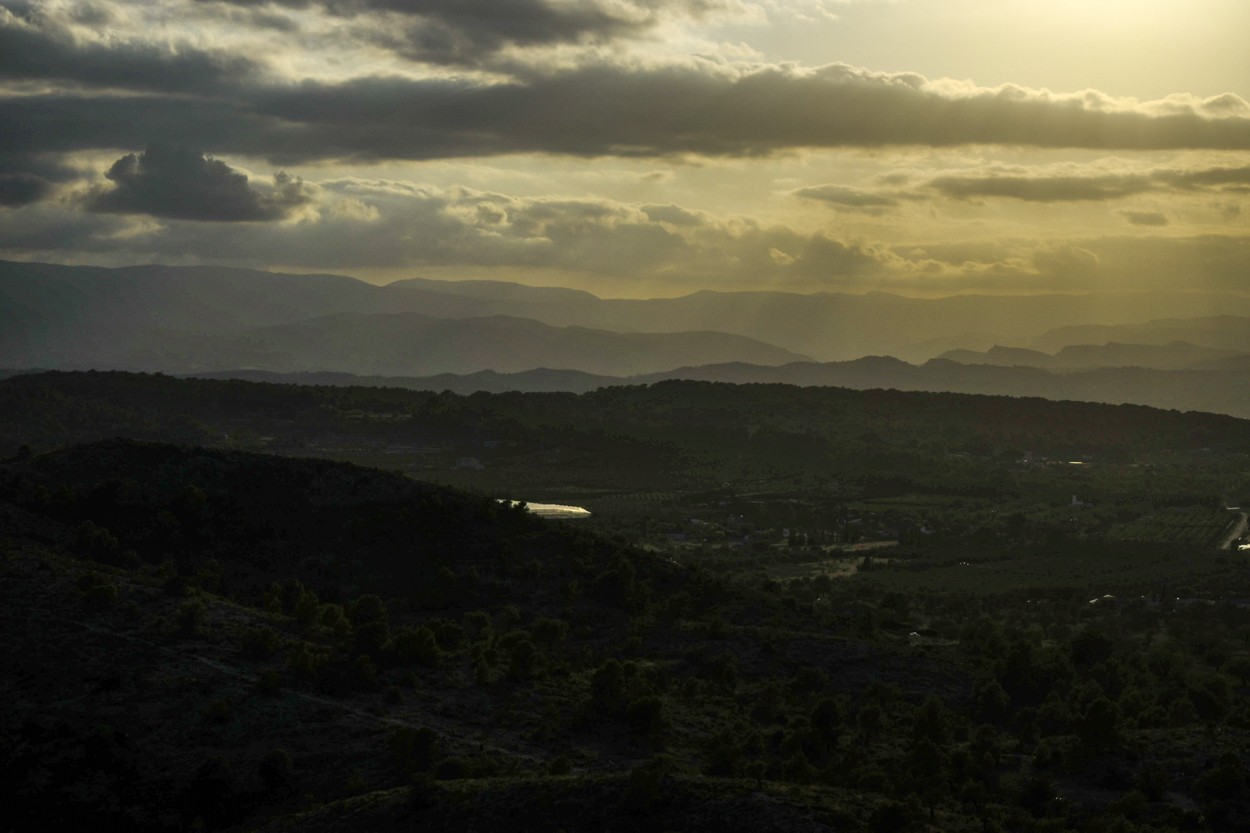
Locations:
212 639
51 409
209 639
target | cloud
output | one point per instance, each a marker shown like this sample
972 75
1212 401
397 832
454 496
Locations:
695 108
1145 218
1233 179
843 198
710 109
371 224
399 227
1047 187
22 189
1042 189
1113 263
1070 260
43 49
673 214
473 32
176 182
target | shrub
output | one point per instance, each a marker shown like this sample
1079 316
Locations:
645 781
96 542
274 770
259 643
414 750
98 594
525 662
645 716
453 769
218 712
417 645
548 632
189 617
368 608
269 683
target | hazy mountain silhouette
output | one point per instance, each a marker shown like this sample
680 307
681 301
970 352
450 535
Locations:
838 326
409 343
1171 356
189 319
1219 332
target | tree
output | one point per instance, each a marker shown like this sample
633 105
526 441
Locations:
607 688
189 618
892 817
932 722
368 608
274 770
417 645
210 796
645 781
415 750
645 716
524 661
870 720
1098 727
1239 667
825 720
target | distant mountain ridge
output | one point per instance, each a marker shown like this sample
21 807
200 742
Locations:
398 343
170 318
495 336
1173 355
1218 332
839 326
190 319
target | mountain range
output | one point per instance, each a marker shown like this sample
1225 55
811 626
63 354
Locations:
491 335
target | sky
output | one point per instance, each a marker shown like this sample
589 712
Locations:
637 148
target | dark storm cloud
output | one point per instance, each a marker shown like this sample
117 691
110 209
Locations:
468 32
691 109
46 51
65 122
27 178
22 189
176 182
707 110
